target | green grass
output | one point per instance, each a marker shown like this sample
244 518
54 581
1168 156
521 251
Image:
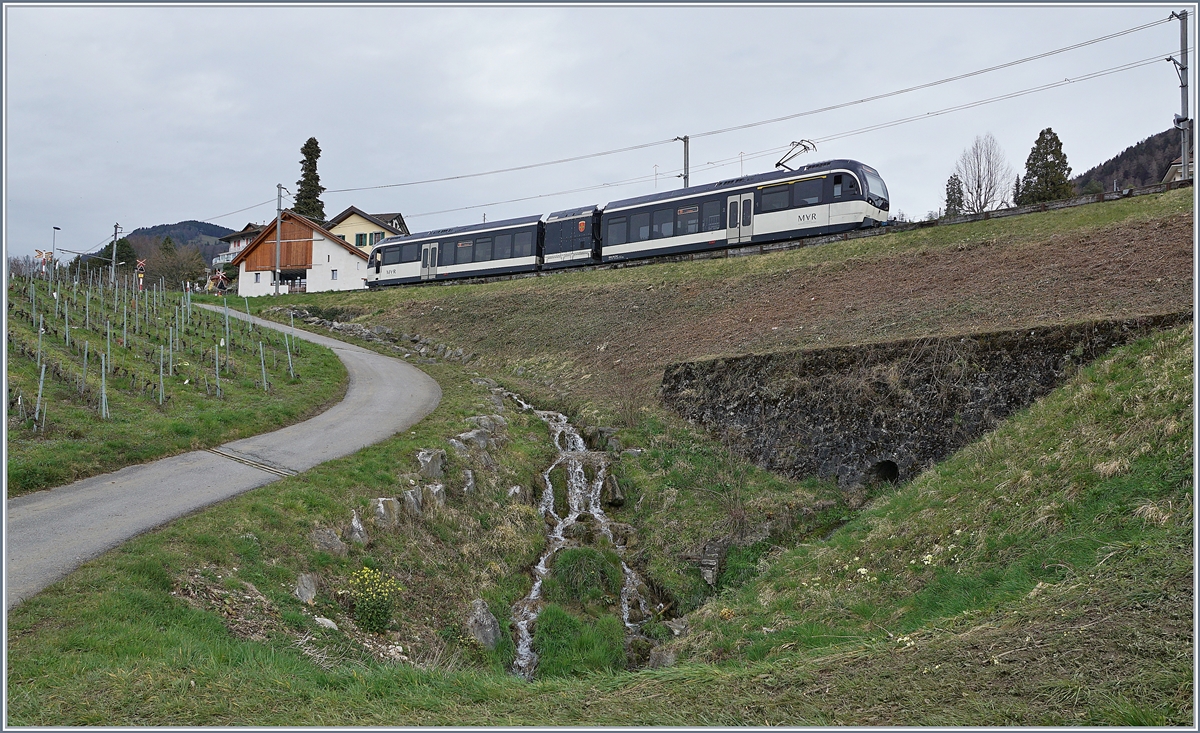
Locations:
1083 617
569 647
1057 589
584 576
76 443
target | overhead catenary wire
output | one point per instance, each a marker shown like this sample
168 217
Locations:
759 123
748 125
827 138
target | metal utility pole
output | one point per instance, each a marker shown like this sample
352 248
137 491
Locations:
53 262
278 223
1182 123
112 274
684 139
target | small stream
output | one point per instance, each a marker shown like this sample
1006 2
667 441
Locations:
583 496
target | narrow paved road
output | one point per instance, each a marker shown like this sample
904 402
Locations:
50 533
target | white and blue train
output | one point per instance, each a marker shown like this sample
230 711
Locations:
820 198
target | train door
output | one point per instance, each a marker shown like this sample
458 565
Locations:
740 218
429 260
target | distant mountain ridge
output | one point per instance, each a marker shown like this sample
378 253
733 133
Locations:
1138 165
199 234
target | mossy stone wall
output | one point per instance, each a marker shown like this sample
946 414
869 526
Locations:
885 410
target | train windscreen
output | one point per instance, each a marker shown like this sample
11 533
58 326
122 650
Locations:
875 183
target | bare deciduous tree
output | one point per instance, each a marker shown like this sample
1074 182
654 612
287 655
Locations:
985 175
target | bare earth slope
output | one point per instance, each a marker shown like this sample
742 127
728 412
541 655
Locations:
622 327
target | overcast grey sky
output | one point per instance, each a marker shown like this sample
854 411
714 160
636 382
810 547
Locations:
151 115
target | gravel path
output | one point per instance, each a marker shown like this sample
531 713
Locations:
50 533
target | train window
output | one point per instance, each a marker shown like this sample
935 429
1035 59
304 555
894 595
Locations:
733 214
712 216
807 193
837 186
391 256
483 249
523 244
424 258
851 184
747 211
463 255
775 198
663 224
503 249
411 252
616 231
687 220
446 254
875 184
639 227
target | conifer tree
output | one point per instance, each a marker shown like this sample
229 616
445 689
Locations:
309 189
954 196
1017 191
1047 175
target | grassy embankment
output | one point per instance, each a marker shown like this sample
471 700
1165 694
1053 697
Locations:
1064 597
71 441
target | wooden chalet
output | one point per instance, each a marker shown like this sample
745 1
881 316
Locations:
311 259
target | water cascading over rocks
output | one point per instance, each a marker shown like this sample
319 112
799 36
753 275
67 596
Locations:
583 498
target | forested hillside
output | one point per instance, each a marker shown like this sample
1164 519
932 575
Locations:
199 234
1138 165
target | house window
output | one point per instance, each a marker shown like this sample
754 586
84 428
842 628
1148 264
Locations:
376 236
360 240
333 274
329 258
257 277
342 237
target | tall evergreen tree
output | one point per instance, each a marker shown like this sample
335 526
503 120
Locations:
954 196
1017 191
309 189
1047 175
168 244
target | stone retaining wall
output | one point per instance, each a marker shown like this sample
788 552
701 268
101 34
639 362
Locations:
885 410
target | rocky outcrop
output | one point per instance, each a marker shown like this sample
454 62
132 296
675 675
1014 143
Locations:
433 463
711 560
385 513
611 494
884 411
356 533
326 540
306 588
482 625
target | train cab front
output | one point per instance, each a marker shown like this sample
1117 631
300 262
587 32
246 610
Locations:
876 196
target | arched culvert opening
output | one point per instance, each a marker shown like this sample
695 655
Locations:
883 472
